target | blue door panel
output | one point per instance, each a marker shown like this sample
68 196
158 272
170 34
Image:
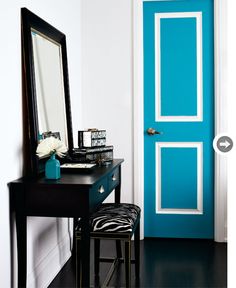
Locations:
179 181
178 52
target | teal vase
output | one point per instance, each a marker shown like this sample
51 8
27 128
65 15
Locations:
52 168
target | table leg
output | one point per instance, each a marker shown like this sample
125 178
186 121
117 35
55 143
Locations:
21 233
85 252
73 251
117 189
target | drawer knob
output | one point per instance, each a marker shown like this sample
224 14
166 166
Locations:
113 178
101 189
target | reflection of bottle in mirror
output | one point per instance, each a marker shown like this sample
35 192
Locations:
52 168
40 137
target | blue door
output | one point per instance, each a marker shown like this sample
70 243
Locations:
179 103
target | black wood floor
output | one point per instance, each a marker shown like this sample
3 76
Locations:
165 263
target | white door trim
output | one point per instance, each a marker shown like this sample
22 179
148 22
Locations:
199 197
220 112
158 113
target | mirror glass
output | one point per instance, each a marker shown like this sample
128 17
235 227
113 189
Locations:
49 84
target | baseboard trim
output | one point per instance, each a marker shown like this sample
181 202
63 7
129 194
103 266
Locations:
48 268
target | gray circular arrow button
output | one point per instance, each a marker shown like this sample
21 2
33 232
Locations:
224 144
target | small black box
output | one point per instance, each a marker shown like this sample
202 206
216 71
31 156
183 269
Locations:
92 138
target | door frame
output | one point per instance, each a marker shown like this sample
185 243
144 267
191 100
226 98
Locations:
220 110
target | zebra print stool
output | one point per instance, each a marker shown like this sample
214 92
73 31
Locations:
118 222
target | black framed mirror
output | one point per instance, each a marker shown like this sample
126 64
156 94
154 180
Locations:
45 69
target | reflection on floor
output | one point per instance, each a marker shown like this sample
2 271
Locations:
165 263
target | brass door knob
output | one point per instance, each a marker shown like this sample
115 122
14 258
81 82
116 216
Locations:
152 131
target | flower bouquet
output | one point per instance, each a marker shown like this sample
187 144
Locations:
49 146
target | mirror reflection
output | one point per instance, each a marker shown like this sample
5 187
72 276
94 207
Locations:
49 86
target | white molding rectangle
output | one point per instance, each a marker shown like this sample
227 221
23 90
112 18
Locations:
181 118
199 146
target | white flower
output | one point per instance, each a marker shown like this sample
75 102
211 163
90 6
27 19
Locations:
51 145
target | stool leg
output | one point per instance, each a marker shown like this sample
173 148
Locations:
96 256
118 249
128 262
137 250
78 259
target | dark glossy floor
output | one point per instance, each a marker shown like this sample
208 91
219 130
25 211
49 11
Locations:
164 263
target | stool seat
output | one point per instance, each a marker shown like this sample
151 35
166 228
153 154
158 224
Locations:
114 217
118 221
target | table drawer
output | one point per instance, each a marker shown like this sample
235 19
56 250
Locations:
114 179
99 192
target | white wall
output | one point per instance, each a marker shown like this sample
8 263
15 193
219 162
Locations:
231 87
107 77
48 240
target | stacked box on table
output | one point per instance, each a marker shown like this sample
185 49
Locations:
92 138
94 154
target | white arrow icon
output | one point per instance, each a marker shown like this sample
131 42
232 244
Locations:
225 144
222 144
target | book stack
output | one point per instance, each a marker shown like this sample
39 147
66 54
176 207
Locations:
92 147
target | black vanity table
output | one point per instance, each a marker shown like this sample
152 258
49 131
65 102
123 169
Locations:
73 195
